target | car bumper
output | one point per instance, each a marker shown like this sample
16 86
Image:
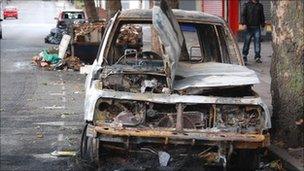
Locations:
170 136
10 15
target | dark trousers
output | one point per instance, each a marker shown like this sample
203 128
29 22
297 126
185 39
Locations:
256 34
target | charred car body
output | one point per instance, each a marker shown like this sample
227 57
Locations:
195 93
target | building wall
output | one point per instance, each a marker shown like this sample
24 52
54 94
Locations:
214 7
190 5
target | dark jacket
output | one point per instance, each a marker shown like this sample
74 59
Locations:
253 15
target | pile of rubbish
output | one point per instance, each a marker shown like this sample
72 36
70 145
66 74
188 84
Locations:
58 58
89 32
69 62
55 35
48 58
130 35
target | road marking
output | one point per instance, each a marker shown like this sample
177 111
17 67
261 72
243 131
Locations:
62 93
54 107
45 156
57 94
60 123
63 99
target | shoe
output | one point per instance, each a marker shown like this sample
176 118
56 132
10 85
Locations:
245 60
258 60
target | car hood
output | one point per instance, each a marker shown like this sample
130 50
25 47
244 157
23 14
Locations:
212 74
171 38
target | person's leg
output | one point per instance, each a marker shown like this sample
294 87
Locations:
257 45
247 40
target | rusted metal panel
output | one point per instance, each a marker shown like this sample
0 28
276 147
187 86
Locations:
171 37
184 135
179 120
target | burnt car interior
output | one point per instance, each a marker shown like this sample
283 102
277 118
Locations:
204 42
132 65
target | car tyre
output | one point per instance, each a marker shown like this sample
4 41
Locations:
90 148
248 160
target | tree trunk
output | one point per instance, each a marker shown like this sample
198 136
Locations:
91 9
154 40
113 6
287 85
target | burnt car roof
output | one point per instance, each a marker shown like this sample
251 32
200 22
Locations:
181 15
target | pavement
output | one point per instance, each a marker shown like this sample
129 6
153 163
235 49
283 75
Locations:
41 111
262 70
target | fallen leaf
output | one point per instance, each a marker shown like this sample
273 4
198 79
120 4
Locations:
39 135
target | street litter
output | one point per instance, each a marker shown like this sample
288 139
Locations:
89 32
55 36
39 135
63 153
46 57
57 57
273 165
164 158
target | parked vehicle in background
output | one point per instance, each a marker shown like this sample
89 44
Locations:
10 11
67 17
194 97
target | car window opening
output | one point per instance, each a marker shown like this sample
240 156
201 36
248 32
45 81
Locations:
133 43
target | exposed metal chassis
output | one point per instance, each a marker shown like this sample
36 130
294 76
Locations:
166 136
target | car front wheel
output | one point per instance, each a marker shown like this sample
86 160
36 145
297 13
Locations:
90 148
248 160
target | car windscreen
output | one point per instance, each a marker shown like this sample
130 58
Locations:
73 15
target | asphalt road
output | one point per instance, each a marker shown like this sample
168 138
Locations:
41 111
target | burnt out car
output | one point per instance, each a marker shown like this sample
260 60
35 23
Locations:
192 95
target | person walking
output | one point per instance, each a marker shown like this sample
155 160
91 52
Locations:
252 19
